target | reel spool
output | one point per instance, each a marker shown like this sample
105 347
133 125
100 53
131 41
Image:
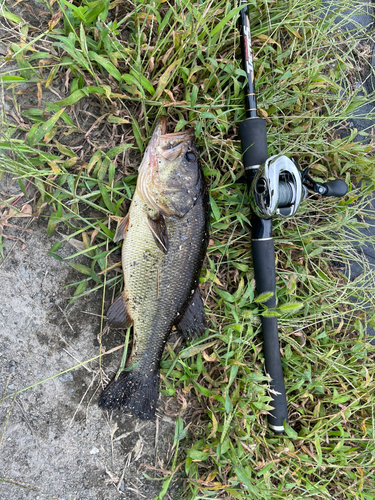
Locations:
279 186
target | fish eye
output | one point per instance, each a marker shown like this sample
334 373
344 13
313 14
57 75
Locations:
190 156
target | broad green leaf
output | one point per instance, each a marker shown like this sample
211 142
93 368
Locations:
81 268
93 13
80 288
117 119
207 114
137 135
118 150
197 455
78 94
107 65
165 78
319 451
228 403
55 247
291 433
93 274
193 350
20 183
200 389
55 256
53 220
227 18
165 20
339 399
106 231
12 79
106 198
42 130
193 96
142 80
225 295
9 15
215 209
245 478
74 53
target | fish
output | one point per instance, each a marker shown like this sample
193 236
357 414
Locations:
165 236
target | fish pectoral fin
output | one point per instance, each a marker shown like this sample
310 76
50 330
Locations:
159 231
118 315
192 322
121 229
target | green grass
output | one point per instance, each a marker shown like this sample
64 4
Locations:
114 68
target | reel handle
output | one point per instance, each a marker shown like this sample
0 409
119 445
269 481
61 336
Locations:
337 188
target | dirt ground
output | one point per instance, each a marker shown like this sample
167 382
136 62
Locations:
55 441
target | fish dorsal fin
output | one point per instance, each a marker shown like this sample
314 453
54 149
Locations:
192 322
159 231
121 229
118 315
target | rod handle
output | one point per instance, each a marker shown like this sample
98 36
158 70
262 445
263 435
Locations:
254 142
265 278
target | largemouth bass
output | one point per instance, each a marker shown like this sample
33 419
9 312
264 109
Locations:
165 237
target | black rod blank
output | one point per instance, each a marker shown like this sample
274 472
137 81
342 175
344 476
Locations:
247 62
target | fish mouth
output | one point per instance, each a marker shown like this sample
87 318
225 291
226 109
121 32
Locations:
170 147
161 137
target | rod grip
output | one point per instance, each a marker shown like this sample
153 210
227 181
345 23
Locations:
253 141
265 277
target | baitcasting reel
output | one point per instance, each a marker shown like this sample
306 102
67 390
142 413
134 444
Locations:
279 186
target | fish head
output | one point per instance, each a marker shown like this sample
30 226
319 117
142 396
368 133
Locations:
170 179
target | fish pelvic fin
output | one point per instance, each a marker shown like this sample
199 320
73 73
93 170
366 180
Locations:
133 392
192 323
121 229
118 315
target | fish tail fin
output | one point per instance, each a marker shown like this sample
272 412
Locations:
133 392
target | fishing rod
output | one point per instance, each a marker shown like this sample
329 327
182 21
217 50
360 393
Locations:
277 186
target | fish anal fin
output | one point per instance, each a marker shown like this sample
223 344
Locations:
118 315
121 229
159 231
192 322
